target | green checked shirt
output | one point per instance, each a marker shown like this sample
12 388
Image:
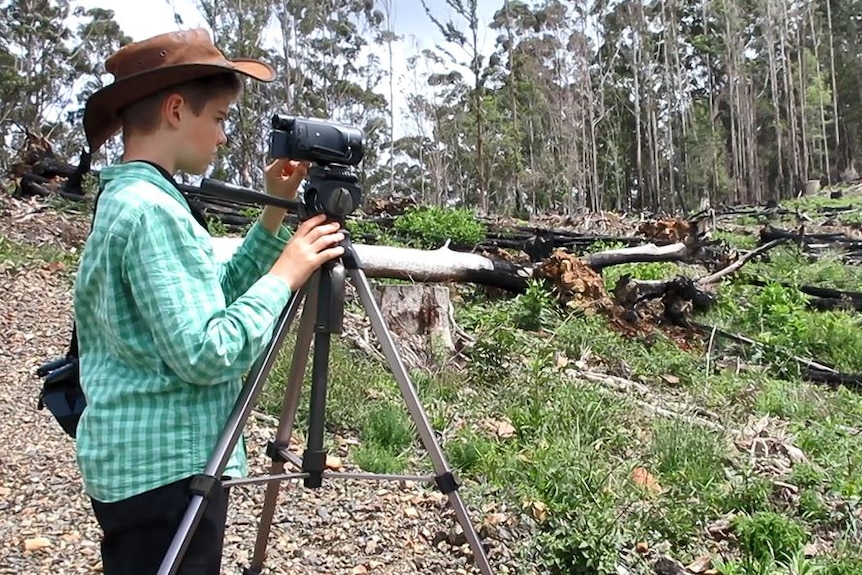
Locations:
166 334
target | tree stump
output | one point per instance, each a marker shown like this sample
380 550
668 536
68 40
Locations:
812 187
420 319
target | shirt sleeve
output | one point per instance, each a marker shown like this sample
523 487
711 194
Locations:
255 256
178 291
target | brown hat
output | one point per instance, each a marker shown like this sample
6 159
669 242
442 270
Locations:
143 68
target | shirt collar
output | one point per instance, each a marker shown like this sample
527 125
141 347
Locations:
157 175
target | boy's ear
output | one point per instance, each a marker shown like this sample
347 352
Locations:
172 109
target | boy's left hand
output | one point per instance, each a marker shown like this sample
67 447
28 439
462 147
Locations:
283 177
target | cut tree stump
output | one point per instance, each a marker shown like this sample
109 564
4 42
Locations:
420 319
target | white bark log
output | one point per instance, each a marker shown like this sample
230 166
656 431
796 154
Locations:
644 253
421 265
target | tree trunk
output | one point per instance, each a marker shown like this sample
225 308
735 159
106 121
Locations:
774 90
803 104
421 320
636 63
513 107
835 117
789 86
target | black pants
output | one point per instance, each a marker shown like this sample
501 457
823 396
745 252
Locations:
139 530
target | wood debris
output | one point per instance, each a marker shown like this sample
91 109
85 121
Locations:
670 230
576 284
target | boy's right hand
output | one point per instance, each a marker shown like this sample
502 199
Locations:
312 245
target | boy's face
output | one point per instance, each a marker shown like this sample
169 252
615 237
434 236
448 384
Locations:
199 136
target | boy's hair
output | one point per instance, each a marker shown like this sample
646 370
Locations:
142 116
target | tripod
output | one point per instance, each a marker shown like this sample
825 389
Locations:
322 316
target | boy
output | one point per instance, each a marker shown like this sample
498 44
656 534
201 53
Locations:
165 333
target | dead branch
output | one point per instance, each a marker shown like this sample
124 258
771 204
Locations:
668 566
713 278
633 388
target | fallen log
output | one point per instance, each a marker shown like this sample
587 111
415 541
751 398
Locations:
540 243
679 294
829 304
445 264
817 245
812 370
643 253
769 233
440 265
771 210
51 168
820 298
47 176
849 380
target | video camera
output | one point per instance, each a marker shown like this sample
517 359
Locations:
319 141
332 188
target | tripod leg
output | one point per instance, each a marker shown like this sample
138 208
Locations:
203 484
292 390
446 480
329 321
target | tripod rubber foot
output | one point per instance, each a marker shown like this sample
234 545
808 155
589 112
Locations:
313 463
447 482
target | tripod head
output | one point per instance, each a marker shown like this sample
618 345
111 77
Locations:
329 190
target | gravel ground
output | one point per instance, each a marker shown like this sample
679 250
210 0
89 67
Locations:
46 524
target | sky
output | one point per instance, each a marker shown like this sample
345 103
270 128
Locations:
145 18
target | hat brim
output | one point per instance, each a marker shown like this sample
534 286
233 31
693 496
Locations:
101 113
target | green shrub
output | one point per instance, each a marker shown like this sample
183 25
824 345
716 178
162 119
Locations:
429 227
388 427
766 536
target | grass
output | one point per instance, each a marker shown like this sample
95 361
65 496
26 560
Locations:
15 255
592 473
595 473
571 462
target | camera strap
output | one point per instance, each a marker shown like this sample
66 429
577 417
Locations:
197 214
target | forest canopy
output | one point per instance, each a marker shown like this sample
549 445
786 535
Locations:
601 104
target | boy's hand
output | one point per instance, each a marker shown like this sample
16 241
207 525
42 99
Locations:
283 177
311 245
